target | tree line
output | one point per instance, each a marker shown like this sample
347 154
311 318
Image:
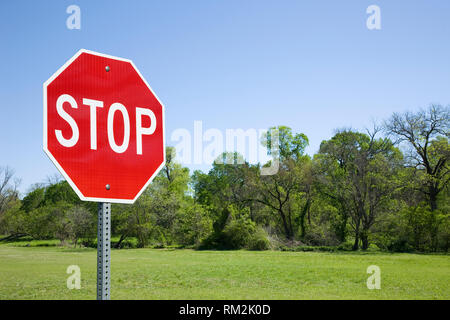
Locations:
383 189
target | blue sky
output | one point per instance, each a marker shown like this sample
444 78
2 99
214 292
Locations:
310 65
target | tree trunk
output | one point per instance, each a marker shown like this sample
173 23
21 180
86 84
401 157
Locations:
302 227
285 225
365 240
433 198
302 218
341 228
356 244
13 237
117 245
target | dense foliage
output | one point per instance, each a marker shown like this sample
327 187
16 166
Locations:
385 189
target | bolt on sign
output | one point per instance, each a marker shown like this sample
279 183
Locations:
103 127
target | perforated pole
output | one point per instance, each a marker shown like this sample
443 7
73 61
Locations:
103 251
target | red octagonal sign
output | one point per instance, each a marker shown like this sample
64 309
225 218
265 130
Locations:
103 127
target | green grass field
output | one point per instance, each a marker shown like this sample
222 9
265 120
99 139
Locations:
40 273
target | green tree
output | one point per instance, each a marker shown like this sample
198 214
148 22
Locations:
226 184
359 174
288 193
60 191
425 135
289 146
13 222
154 215
8 189
193 224
82 224
34 199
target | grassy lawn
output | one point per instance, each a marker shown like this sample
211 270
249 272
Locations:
40 273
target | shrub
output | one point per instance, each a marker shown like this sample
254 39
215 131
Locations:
238 233
345 246
400 245
259 240
373 248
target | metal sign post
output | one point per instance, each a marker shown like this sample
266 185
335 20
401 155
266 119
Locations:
103 251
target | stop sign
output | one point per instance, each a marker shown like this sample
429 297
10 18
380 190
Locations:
103 127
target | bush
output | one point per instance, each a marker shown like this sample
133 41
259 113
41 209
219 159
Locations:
238 233
345 246
373 248
400 245
259 240
415 228
90 243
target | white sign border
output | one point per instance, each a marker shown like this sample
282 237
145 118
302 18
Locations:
55 162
